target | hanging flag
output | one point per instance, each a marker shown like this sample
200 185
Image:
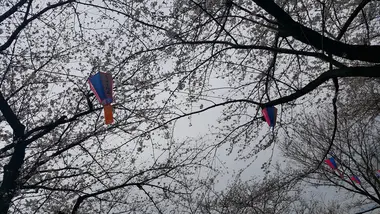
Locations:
270 115
378 173
101 84
331 162
356 179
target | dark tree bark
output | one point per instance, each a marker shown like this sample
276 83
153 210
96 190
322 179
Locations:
313 38
8 186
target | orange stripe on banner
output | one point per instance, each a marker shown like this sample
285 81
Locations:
108 116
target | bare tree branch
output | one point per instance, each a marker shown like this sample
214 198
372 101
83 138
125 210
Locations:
313 38
26 22
12 10
357 10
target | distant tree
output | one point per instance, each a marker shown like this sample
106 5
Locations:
356 145
277 194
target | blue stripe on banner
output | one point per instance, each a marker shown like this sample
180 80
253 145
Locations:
271 115
333 162
96 82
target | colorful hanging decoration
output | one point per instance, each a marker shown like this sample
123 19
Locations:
356 179
101 84
331 162
378 173
270 115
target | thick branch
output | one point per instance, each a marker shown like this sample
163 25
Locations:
313 38
12 169
11 118
12 10
372 71
271 49
11 174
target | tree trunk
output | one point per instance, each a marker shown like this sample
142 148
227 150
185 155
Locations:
11 174
9 184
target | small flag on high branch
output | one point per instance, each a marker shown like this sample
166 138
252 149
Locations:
270 115
356 179
101 84
331 162
378 173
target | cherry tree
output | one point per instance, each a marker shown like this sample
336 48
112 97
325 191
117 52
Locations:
355 148
56 153
237 56
254 54
277 193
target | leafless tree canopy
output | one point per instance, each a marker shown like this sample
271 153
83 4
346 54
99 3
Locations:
356 145
172 60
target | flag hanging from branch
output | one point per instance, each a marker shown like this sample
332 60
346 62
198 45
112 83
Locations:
331 162
270 115
356 179
378 173
101 84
